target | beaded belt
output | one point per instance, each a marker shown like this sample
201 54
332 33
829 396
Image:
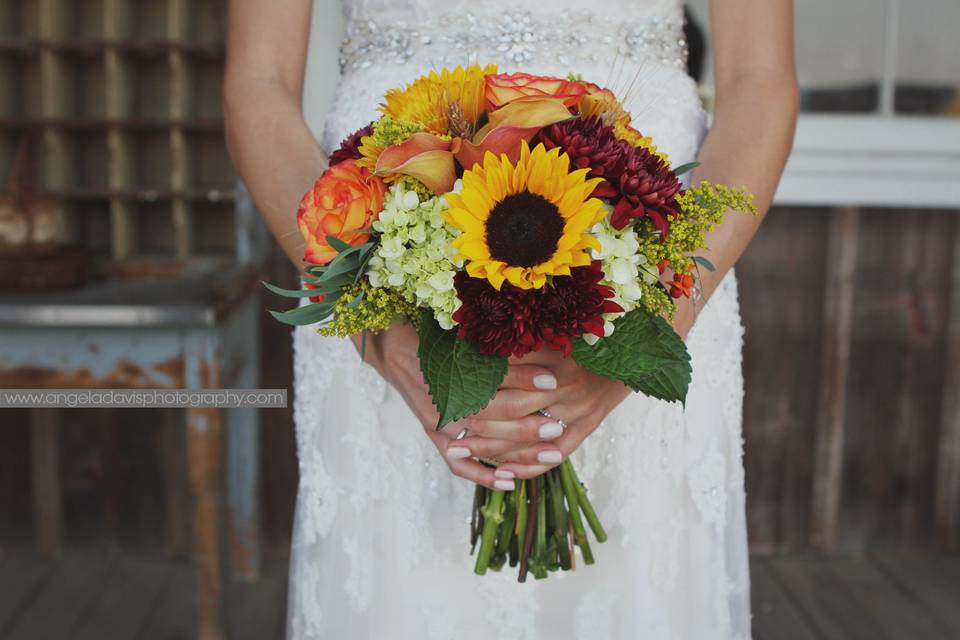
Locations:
568 38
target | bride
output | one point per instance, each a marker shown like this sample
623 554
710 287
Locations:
380 541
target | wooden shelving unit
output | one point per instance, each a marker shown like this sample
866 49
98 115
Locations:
121 100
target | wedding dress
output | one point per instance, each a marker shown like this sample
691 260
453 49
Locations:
380 545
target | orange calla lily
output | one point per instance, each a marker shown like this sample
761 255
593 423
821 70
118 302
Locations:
509 125
538 112
423 156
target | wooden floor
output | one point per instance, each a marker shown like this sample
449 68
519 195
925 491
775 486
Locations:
111 596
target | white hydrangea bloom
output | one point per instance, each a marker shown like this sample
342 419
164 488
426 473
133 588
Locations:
415 255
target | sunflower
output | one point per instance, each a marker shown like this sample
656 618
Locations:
524 222
428 99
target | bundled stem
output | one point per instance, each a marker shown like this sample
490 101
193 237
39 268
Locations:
536 526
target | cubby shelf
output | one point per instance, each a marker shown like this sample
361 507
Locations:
119 102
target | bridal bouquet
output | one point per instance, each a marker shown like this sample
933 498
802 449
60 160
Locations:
502 214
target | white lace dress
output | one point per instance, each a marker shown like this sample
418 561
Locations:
381 533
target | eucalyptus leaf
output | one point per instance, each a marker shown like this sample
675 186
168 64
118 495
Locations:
289 293
309 314
703 262
353 303
685 168
338 244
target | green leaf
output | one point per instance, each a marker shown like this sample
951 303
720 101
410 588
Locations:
684 168
462 381
644 352
703 262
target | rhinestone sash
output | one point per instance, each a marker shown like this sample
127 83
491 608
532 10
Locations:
513 39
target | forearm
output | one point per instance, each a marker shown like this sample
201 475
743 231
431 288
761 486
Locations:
748 145
275 154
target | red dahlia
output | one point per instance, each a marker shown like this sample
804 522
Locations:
514 322
349 147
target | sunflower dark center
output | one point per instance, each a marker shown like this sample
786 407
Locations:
523 229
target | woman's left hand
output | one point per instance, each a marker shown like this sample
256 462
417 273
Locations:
581 400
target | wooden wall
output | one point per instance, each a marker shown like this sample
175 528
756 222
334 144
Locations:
894 427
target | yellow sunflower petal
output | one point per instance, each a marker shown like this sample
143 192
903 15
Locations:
475 249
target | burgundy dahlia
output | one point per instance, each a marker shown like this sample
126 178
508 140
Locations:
514 322
350 146
648 188
590 143
638 183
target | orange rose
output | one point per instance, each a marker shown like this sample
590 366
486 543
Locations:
504 88
342 201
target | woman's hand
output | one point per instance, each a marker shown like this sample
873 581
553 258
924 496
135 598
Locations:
509 422
581 399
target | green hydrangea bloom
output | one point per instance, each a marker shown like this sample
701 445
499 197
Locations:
415 255
363 307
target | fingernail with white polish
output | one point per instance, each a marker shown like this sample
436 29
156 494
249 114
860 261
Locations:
545 381
458 453
550 430
503 485
503 474
550 457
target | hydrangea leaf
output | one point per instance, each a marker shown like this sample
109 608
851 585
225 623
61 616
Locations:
462 381
644 352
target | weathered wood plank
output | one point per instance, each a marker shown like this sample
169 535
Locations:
834 362
947 497
45 471
175 486
828 605
128 597
781 292
22 576
205 463
775 616
73 588
897 360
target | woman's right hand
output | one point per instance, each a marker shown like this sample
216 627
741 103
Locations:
393 353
